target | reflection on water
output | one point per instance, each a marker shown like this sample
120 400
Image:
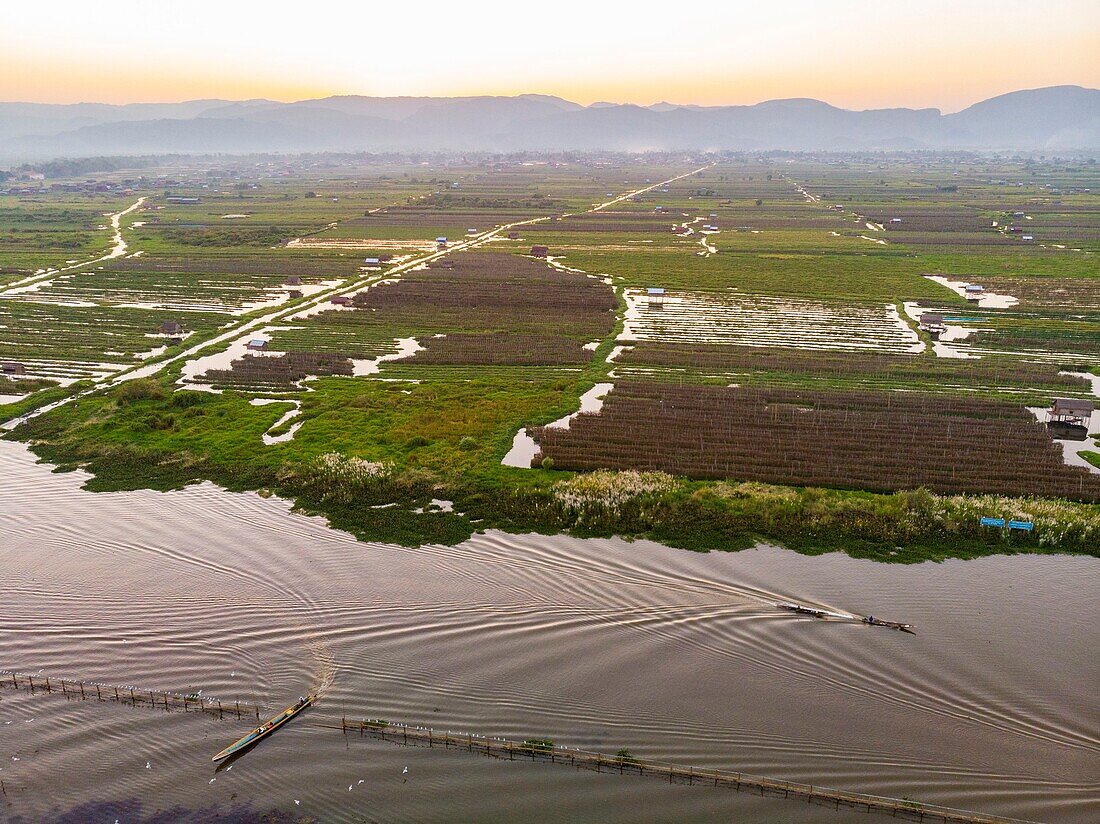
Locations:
597 644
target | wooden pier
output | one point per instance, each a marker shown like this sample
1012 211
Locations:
133 696
538 751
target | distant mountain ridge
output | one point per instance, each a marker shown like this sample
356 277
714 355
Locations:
1052 119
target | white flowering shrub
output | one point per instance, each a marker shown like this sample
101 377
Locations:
605 491
338 467
1057 523
336 476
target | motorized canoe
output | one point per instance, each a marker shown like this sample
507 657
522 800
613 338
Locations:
802 609
870 620
265 729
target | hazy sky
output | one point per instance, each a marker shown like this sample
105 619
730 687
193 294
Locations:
940 53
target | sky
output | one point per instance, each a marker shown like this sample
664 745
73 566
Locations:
929 53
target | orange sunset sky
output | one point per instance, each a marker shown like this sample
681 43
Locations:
852 54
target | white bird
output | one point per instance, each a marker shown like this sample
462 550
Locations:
360 780
296 801
227 769
405 771
212 780
148 765
350 786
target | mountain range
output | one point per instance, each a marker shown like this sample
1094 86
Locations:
1056 118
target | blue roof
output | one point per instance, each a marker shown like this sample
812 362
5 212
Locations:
655 291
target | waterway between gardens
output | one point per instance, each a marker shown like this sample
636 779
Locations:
600 644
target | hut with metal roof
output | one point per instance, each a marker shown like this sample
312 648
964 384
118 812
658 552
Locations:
1070 412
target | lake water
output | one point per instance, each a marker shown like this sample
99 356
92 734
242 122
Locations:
600 644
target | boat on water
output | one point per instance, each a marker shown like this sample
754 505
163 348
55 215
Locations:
801 609
265 729
870 620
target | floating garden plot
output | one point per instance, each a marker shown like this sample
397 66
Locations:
609 221
1034 383
276 372
1056 336
1080 294
732 318
72 342
502 309
193 284
881 441
424 223
502 348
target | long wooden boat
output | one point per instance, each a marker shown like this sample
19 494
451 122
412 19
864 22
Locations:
870 620
802 609
265 729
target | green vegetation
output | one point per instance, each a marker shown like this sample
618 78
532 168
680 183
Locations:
624 756
507 343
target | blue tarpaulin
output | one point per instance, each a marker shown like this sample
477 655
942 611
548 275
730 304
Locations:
994 521
1027 526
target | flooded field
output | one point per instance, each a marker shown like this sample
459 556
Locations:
598 644
735 319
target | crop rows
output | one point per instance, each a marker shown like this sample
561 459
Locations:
1075 294
76 341
862 440
936 220
281 264
503 348
608 221
172 292
260 372
731 318
485 293
898 371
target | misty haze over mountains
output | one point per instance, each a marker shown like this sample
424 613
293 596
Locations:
1058 118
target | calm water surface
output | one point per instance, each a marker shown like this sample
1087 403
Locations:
599 644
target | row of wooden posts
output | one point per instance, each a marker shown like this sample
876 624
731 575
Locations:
154 699
625 764
532 750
